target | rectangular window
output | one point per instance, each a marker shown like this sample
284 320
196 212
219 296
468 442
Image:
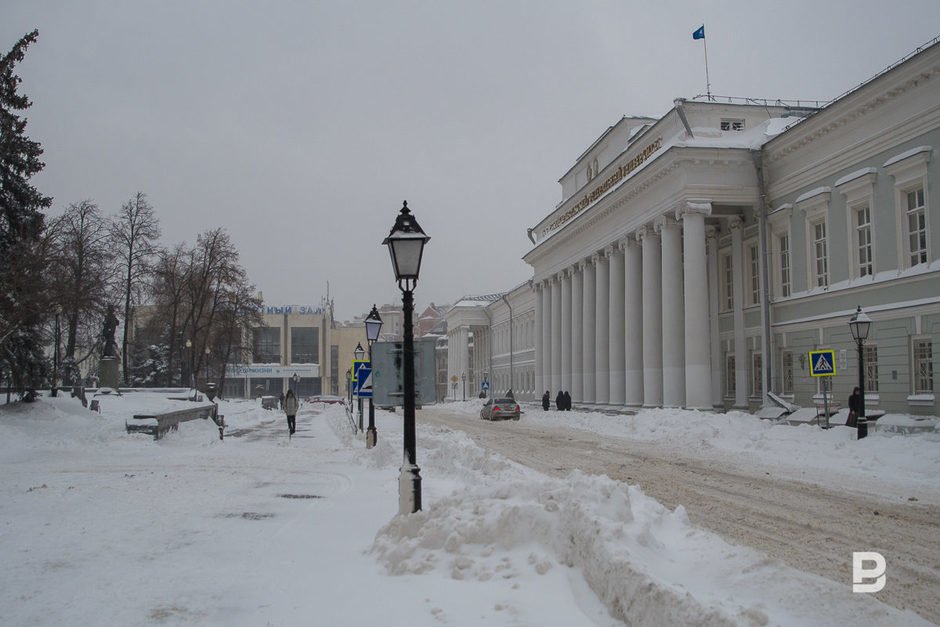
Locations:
863 231
754 259
727 282
923 367
334 370
787 373
266 348
757 374
871 368
784 265
820 255
732 125
304 345
730 386
916 226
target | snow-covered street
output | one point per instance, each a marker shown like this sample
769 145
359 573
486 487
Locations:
102 527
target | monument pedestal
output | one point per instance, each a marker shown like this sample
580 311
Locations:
108 373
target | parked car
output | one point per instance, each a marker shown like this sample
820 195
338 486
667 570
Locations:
500 409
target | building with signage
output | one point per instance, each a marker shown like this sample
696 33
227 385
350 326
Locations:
696 259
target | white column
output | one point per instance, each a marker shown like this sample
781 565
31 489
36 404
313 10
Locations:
566 329
633 323
711 238
602 329
617 382
740 345
577 330
673 313
587 341
556 332
547 334
698 373
652 318
538 338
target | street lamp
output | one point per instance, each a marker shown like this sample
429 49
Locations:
55 353
296 380
860 324
189 356
208 350
405 244
373 328
359 353
463 377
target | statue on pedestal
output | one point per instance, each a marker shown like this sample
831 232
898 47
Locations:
107 333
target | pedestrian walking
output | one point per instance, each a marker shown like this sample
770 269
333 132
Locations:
546 400
855 407
290 408
567 401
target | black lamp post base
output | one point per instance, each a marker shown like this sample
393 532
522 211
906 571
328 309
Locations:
409 489
862 427
371 437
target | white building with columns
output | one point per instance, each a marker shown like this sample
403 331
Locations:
694 260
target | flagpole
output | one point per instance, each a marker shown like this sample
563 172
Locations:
708 84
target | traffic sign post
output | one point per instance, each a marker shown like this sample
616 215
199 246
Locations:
822 363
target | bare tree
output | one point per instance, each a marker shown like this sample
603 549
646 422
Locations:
170 279
134 232
83 277
239 312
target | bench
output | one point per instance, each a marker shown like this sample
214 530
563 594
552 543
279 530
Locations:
158 425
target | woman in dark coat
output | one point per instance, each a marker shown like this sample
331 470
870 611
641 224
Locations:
567 401
855 407
560 401
546 400
290 408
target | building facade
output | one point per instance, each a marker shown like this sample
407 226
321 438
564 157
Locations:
694 260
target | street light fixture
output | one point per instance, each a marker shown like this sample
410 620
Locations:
405 244
208 351
373 328
55 353
296 380
463 377
359 353
192 375
860 324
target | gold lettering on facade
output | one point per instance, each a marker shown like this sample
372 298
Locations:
618 175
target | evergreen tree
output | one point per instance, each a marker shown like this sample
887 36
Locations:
22 289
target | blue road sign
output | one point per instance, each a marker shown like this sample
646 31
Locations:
363 384
485 385
822 363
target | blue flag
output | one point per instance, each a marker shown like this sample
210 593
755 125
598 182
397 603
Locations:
700 33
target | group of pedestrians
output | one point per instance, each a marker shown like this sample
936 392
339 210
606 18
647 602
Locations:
562 401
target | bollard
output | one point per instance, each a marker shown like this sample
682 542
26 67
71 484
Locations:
95 406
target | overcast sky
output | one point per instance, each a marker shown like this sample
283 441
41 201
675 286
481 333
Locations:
301 126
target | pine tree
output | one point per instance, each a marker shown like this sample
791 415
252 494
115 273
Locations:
22 292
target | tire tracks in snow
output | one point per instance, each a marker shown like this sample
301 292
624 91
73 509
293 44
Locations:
808 527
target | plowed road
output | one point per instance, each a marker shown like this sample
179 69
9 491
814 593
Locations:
808 527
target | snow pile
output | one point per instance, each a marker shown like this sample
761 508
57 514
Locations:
647 564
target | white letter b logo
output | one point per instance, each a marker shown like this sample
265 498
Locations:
860 573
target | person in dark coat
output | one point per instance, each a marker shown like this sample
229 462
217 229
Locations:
567 401
560 401
546 400
855 407
290 408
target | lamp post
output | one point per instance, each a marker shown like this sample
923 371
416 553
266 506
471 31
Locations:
860 324
55 353
192 376
373 328
208 350
296 380
359 353
463 377
405 244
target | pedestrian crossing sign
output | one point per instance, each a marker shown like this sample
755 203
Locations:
822 363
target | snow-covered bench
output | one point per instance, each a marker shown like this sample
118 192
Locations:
158 425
